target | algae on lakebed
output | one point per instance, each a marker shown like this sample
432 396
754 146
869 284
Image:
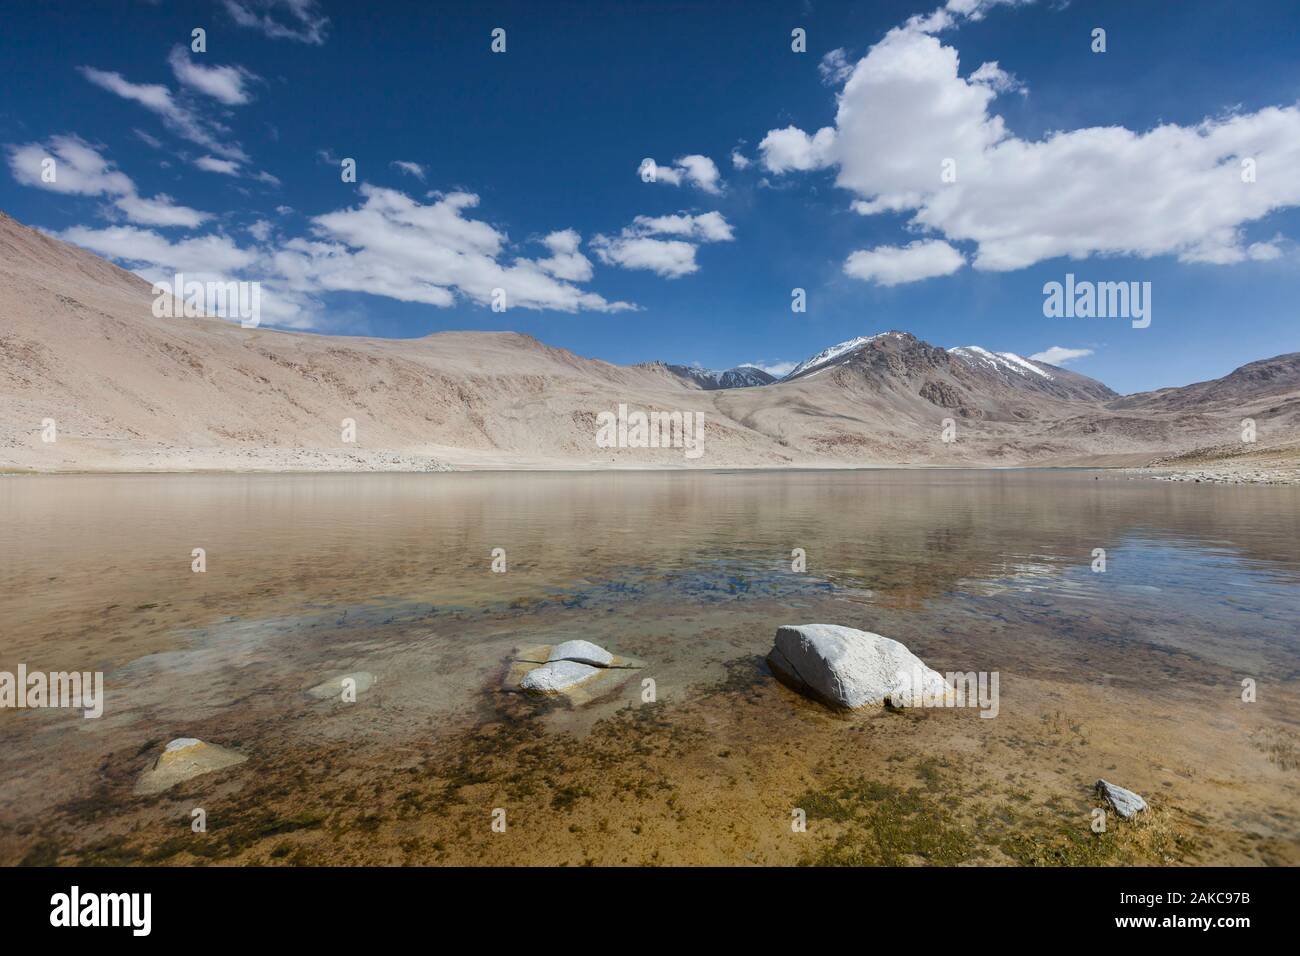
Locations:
940 822
695 782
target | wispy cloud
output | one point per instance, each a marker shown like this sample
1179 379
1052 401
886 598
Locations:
299 20
79 169
212 164
1060 355
177 117
410 168
835 67
779 369
229 84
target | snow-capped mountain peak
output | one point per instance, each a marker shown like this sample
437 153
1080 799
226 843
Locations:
826 356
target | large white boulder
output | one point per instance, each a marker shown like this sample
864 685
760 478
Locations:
1126 802
845 667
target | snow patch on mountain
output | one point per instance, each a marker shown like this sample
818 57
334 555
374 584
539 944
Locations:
974 355
742 376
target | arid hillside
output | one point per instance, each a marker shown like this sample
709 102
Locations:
84 361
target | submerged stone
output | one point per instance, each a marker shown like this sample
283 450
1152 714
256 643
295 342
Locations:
579 671
331 689
845 667
183 759
1126 802
557 677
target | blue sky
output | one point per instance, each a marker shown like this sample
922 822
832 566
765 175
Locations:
1115 166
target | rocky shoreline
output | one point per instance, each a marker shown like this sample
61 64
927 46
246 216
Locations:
1226 465
1218 477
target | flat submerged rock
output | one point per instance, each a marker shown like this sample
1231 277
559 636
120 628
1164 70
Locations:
557 677
578 671
333 688
183 759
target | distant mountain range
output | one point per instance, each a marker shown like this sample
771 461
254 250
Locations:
126 390
742 376
1009 368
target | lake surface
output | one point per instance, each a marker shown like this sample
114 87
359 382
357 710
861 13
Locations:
1134 674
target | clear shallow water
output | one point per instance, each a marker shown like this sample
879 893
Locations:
311 577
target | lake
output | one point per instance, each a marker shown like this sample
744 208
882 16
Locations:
1133 673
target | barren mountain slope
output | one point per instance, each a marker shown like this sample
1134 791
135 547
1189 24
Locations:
1267 378
888 396
79 345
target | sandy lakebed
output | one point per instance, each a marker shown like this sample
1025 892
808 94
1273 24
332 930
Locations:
1134 674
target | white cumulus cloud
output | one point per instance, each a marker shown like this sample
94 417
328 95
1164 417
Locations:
785 150
201 255
906 110
638 245
694 170
565 261
670 258
393 246
706 227
390 245
895 265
